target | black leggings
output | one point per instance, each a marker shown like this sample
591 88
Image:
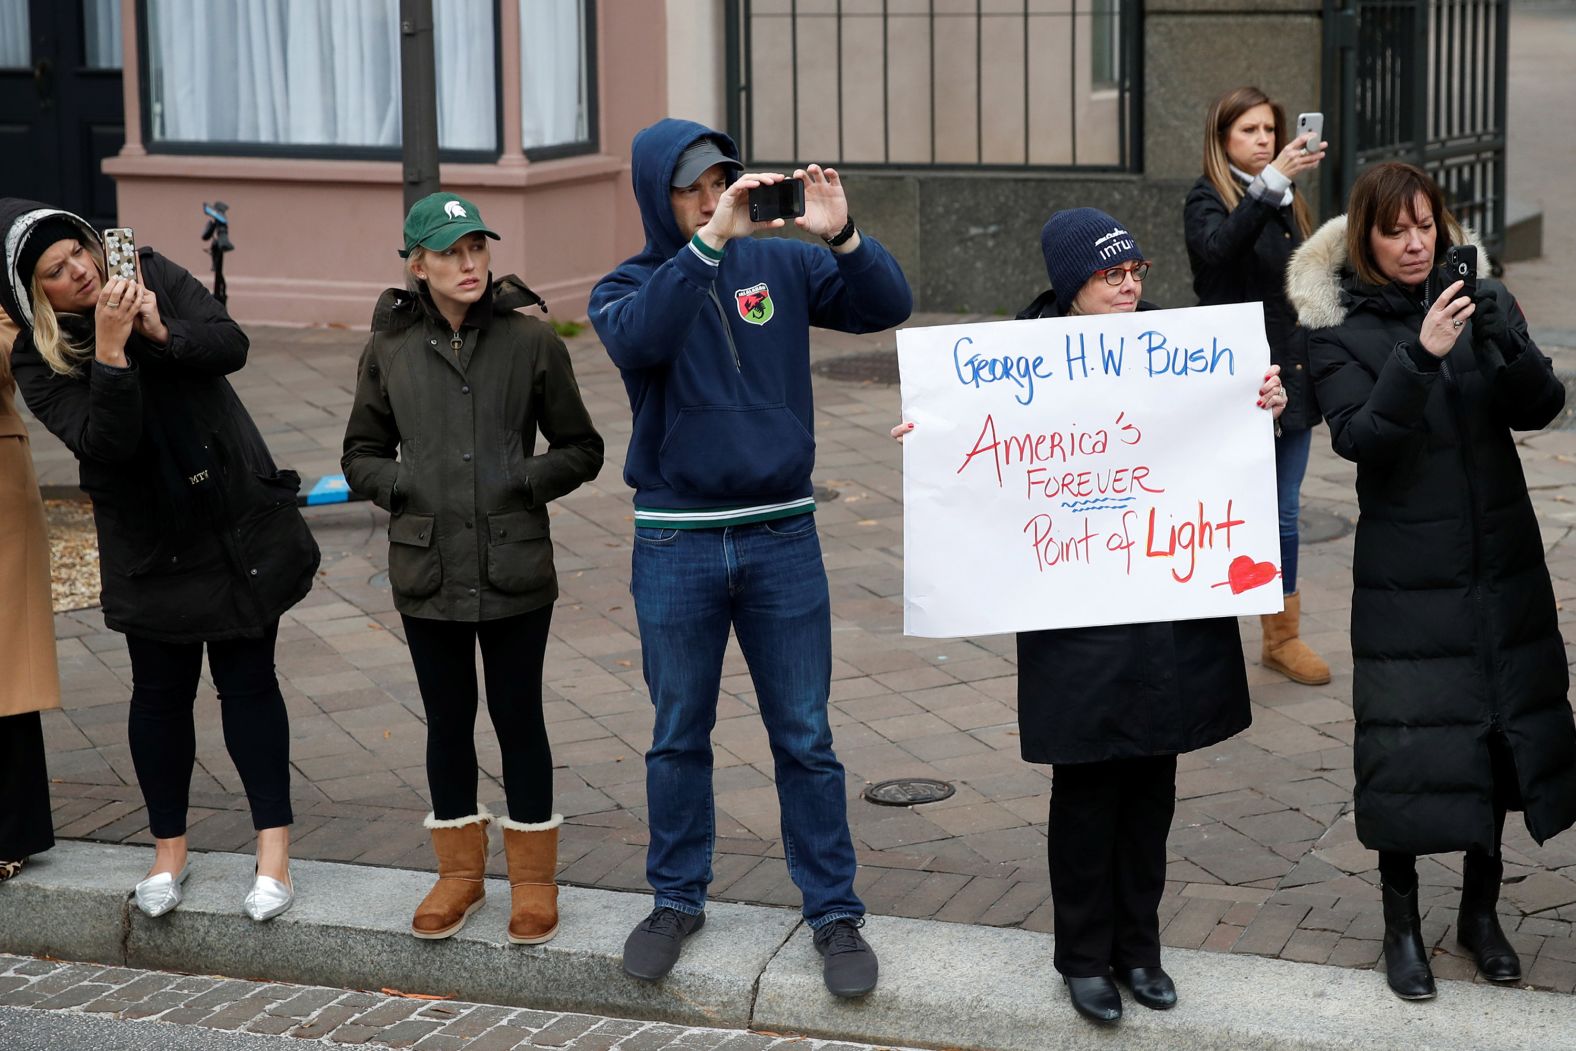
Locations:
1399 871
444 653
1107 847
164 740
25 825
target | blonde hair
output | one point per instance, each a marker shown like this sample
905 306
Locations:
1224 112
63 355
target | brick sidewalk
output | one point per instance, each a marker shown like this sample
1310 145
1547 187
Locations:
337 1017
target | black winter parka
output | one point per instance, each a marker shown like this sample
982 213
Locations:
1239 255
1123 691
443 439
230 578
1454 629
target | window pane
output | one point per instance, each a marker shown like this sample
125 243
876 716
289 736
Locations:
554 100
16 49
101 34
312 72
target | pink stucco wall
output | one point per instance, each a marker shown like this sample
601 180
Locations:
316 239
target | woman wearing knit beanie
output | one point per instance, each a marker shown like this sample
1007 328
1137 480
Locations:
1082 691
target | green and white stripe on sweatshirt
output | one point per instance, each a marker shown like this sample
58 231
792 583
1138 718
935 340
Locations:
718 517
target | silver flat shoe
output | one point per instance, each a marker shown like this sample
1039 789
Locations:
268 898
161 892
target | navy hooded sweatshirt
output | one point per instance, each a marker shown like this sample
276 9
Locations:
716 356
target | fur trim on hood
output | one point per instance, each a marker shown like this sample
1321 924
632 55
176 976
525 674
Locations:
1316 270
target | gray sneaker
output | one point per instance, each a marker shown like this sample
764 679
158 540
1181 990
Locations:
652 948
848 963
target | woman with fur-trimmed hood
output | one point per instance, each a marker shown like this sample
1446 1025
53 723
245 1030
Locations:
1460 676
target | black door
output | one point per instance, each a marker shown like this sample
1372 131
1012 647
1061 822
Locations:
61 109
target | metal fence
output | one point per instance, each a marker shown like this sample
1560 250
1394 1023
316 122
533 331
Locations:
937 84
1422 81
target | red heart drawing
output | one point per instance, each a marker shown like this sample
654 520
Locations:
1246 574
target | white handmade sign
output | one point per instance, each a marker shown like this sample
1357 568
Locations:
1110 469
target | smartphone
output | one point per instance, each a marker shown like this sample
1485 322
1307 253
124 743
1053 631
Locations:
1310 122
1460 265
780 200
120 252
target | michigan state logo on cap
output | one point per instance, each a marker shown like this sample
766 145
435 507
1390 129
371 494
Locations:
754 303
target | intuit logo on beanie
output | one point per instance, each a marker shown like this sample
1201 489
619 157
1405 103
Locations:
1080 242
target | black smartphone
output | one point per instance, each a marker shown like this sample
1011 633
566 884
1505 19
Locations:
780 200
1460 265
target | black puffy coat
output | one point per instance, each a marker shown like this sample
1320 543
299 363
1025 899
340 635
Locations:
1454 630
444 440
1122 691
226 578
1239 255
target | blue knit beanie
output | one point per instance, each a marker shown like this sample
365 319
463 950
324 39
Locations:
1080 242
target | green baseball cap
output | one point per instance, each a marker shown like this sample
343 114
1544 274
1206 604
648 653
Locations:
439 219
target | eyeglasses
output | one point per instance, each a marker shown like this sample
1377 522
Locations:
1117 274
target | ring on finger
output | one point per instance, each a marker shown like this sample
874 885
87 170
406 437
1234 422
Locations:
1456 323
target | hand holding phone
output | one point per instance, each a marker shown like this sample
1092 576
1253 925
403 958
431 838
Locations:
1311 125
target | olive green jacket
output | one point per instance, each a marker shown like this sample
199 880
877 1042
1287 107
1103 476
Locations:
442 437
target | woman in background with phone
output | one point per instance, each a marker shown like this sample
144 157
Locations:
29 679
1243 219
200 542
1460 672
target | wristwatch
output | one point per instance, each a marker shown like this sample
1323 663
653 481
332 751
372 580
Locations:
842 236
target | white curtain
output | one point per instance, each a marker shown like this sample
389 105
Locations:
16 45
312 72
101 33
553 98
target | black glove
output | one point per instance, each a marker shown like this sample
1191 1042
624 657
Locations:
1490 326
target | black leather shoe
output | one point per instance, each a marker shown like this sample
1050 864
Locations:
1095 998
848 963
1150 986
1477 922
1405 957
652 948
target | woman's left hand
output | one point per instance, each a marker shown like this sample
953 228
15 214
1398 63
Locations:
148 323
1272 393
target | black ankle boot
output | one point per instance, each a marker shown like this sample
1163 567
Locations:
1477 922
1405 957
1095 998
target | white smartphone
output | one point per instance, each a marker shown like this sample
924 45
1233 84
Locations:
120 252
1311 122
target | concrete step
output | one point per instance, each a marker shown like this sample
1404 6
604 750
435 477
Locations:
942 984
1523 231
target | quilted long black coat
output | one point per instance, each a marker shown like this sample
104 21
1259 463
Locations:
1454 629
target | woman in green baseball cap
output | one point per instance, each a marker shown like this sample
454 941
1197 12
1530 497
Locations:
451 392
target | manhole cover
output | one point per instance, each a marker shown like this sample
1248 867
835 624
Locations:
908 791
1315 525
867 366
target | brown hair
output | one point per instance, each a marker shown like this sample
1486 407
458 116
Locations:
1379 197
1224 112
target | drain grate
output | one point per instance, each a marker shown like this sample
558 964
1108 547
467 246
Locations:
908 791
867 366
1316 524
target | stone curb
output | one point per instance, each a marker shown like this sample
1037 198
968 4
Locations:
942 984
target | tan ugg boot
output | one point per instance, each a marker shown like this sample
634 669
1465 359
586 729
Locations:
1285 652
532 850
461 846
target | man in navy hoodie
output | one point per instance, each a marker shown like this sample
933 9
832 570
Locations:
710 329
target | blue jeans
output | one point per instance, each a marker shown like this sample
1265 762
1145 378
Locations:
1291 463
768 583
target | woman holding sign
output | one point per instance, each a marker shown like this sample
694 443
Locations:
1460 672
1243 219
1111 707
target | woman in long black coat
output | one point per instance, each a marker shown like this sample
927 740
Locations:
1111 707
200 541
1243 219
1460 676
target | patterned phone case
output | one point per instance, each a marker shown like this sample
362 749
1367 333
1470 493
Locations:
120 252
